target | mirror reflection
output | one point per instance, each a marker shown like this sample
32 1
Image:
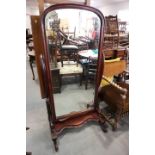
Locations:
72 39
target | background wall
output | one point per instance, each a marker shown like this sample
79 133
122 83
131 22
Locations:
116 8
30 12
121 9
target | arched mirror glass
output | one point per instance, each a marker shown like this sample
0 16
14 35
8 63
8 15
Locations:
72 38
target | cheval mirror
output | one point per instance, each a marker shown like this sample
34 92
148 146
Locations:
72 64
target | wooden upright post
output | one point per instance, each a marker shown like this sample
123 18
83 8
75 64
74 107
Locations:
38 47
63 1
41 6
87 2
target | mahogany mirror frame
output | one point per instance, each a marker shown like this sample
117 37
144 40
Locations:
76 119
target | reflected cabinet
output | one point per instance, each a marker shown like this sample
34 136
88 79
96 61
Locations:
72 65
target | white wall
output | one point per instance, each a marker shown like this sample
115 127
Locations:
30 12
120 9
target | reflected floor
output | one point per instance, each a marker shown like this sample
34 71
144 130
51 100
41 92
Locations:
73 97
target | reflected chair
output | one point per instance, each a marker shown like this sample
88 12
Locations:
90 71
114 94
68 47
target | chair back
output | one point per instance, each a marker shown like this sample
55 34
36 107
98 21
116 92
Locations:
92 66
112 26
114 68
111 37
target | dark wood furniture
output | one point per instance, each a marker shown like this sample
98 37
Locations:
89 67
124 35
70 51
74 119
115 95
122 26
124 40
111 37
88 59
69 47
90 72
115 53
115 33
31 55
72 74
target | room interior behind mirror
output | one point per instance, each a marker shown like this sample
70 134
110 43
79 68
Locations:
72 39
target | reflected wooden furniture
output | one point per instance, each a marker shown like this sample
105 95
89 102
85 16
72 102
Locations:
70 51
73 119
89 63
68 47
70 69
53 48
115 95
91 70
